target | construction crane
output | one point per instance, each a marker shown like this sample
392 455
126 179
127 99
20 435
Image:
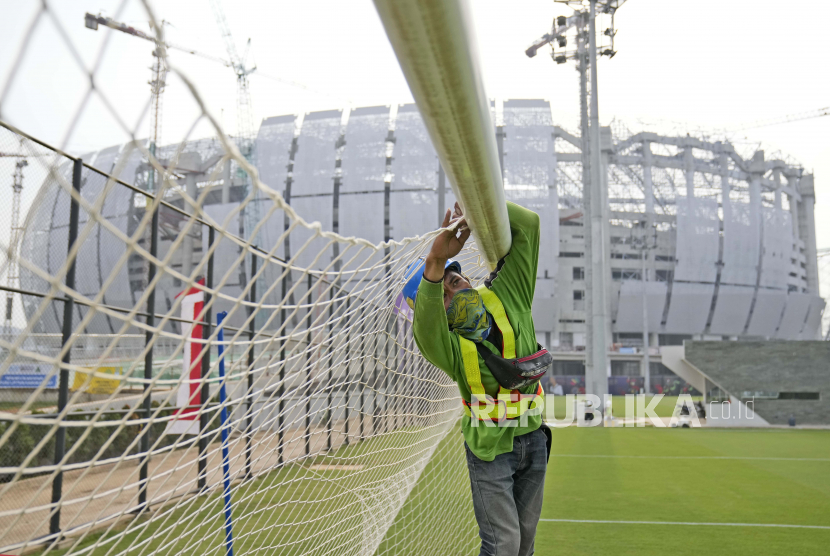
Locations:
13 273
787 119
93 21
244 109
12 277
159 68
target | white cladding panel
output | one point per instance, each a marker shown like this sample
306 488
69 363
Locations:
101 251
93 264
313 184
795 314
697 240
778 248
55 258
304 249
229 271
361 199
766 315
314 161
36 248
271 230
116 208
731 310
273 152
630 309
689 308
273 145
88 268
273 148
413 206
529 179
812 327
740 246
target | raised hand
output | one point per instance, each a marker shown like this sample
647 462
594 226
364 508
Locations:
456 213
447 245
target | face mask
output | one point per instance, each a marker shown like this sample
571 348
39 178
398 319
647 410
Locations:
467 316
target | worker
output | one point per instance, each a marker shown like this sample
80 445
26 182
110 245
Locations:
484 339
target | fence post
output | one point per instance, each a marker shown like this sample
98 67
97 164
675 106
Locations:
387 415
348 365
375 390
281 406
148 361
309 390
329 385
66 333
250 394
397 386
204 395
363 382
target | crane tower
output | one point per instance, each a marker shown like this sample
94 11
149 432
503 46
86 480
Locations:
244 110
12 275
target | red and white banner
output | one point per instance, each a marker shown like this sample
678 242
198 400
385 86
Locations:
189 393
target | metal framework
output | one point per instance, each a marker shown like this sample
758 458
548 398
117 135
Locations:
12 273
736 237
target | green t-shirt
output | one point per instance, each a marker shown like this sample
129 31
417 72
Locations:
514 282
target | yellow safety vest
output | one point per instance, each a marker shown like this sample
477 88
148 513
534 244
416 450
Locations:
509 404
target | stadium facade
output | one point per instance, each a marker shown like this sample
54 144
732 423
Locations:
704 243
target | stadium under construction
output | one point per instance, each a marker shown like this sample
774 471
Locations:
704 242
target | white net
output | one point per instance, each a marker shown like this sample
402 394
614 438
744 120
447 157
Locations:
131 423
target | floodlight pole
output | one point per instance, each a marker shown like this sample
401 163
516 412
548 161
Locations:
597 382
646 343
594 190
582 68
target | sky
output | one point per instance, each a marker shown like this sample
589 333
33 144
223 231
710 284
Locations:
681 66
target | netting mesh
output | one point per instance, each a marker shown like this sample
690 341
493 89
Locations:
127 426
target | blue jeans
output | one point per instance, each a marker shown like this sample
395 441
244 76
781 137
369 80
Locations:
507 495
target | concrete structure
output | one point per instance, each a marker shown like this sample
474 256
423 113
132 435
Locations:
777 380
725 241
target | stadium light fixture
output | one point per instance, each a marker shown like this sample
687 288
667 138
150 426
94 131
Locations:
537 44
583 25
91 21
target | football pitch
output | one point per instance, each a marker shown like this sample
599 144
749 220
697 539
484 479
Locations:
712 492
610 491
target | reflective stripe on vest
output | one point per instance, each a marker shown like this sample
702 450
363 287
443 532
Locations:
509 404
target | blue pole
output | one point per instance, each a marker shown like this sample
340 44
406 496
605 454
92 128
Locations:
226 467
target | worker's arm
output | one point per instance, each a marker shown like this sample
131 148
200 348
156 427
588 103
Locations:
431 331
515 275
430 328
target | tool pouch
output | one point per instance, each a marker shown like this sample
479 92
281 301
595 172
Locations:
514 374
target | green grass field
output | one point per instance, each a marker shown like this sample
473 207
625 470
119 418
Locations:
621 475
681 475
